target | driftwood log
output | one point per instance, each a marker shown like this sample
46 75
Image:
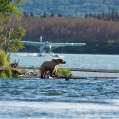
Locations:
14 64
81 69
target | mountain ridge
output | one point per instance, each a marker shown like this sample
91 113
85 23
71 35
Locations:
69 7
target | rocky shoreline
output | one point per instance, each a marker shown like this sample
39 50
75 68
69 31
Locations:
36 74
33 72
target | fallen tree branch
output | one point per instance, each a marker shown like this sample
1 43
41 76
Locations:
81 69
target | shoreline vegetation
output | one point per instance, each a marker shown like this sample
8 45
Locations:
5 68
12 70
33 72
10 38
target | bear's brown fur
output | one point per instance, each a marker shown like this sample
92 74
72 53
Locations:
50 66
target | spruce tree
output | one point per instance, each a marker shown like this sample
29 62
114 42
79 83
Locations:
113 15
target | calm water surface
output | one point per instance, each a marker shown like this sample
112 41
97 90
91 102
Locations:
34 98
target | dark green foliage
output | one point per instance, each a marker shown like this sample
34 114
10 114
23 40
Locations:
59 15
25 14
114 15
16 37
44 15
86 15
4 64
52 14
63 72
10 38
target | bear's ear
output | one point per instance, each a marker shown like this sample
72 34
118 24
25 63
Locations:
54 60
57 61
60 60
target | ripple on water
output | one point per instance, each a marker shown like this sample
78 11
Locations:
44 98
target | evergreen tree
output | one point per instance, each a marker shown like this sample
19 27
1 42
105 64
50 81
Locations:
99 16
109 16
52 14
95 16
116 15
59 15
113 15
103 15
44 14
90 15
31 14
86 15
25 14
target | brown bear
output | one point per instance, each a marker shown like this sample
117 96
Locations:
51 67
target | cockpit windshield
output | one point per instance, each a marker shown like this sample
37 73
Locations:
46 43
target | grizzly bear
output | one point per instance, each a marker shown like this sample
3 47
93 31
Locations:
51 67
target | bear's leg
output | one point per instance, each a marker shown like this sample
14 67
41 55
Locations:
42 75
55 71
51 73
55 74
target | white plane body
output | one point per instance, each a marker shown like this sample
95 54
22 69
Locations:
48 47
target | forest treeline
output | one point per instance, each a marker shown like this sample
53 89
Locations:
100 36
113 15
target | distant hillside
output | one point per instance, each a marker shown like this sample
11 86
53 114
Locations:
69 7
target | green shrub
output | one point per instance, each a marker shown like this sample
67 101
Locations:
2 74
8 72
4 64
63 72
23 69
3 59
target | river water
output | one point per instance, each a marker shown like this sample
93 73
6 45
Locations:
35 98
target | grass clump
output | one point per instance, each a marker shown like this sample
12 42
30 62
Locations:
2 74
23 69
5 71
63 72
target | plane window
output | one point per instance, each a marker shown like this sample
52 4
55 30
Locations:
46 43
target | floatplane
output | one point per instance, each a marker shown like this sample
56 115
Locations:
48 46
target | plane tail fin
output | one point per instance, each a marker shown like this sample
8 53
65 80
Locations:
40 38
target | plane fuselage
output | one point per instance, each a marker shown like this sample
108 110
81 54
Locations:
46 47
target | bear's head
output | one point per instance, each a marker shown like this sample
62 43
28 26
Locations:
59 61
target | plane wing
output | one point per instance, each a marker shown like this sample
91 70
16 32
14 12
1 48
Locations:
32 43
67 44
52 44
